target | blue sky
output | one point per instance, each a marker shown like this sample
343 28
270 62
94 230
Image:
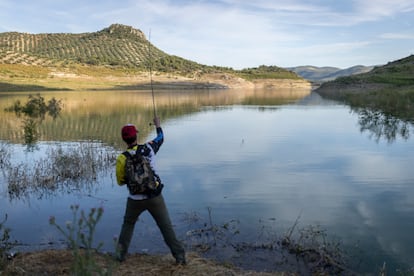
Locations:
235 33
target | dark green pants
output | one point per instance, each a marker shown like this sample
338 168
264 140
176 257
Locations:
157 208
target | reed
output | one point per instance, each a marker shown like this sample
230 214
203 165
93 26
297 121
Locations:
64 170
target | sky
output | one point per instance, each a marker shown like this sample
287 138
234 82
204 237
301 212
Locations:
236 33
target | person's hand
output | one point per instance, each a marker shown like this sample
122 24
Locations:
157 122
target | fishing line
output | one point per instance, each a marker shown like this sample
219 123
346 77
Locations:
150 70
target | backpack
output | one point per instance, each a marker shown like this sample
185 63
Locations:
139 175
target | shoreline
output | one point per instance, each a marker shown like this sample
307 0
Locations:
54 80
59 262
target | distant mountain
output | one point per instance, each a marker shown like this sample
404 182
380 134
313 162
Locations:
322 74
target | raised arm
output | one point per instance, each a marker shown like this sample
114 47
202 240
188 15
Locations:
157 141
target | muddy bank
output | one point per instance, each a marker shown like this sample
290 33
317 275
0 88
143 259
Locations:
58 262
218 81
110 79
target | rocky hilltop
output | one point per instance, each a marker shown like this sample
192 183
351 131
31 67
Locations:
118 56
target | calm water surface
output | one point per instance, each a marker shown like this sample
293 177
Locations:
259 158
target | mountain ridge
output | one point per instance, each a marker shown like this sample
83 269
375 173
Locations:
398 73
327 73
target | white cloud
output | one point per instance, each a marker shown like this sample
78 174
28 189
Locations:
397 36
383 8
281 5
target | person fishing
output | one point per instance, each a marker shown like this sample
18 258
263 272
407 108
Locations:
136 168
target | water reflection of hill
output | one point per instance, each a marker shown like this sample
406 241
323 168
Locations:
385 115
381 122
99 115
382 126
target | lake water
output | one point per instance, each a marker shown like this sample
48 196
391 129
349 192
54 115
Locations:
254 163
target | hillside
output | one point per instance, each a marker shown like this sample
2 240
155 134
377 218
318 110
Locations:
116 57
389 88
323 74
398 74
117 45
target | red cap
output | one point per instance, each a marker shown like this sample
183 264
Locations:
129 132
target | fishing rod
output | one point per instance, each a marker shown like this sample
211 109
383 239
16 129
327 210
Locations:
150 71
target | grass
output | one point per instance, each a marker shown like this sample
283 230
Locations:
13 71
17 77
82 78
23 86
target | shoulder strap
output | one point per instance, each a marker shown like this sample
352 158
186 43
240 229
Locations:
127 154
143 149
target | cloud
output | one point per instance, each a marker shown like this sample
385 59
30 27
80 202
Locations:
374 10
281 5
397 36
339 14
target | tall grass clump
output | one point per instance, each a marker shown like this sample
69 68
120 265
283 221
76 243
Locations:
79 233
65 169
5 243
